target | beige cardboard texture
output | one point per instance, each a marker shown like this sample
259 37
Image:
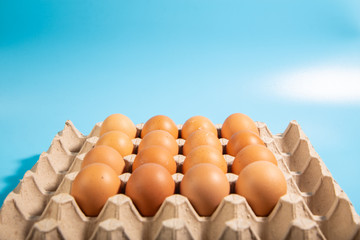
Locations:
315 207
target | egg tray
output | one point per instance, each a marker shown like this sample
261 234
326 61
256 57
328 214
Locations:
315 207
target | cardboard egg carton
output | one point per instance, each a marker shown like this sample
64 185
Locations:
315 207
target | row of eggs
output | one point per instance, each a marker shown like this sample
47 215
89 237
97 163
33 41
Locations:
204 183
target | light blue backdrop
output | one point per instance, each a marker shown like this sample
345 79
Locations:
275 61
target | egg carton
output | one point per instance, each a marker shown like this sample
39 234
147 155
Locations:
315 207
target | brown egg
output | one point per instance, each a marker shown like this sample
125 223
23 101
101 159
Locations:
196 123
252 153
237 122
161 138
262 184
240 140
148 186
107 155
92 187
201 137
204 154
160 122
205 185
118 122
155 154
117 140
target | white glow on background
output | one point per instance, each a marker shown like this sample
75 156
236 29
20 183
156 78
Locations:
326 84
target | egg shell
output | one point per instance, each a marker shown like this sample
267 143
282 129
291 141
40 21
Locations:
262 184
119 122
242 139
205 185
161 138
155 154
237 122
107 155
204 154
92 187
117 140
201 137
252 153
197 123
148 186
160 122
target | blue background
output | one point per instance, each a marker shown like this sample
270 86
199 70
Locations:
84 60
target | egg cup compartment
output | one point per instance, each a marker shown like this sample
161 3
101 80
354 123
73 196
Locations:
315 207
64 219
325 199
24 205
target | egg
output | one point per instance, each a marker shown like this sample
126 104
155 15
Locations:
148 186
237 122
155 154
242 139
117 140
205 185
161 138
92 187
250 154
107 155
201 137
197 123
262 184
118 122
160 122
204 154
